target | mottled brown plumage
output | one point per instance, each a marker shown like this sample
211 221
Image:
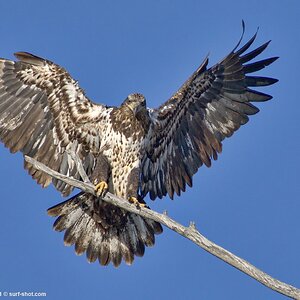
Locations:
131 149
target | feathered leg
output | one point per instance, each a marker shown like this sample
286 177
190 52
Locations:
101 175
132 188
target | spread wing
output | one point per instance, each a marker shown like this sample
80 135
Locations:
43 113
188 129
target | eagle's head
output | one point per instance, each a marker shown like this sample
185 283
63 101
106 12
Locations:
135 102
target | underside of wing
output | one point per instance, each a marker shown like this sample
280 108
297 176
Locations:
45 115
188 129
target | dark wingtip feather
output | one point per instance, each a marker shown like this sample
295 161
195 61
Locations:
241 38
247 45
243 24
258 65
247 57
29 58
259 81
256 96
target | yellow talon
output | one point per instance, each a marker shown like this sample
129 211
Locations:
101 188
136 202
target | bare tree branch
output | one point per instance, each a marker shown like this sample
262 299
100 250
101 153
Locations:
189 232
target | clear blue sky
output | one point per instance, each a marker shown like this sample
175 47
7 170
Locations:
248 202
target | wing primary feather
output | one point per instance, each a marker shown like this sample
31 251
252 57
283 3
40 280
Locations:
242 35
30 58
247 57
246 46
259 81
256 66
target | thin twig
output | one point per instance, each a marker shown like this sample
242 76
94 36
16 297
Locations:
189 232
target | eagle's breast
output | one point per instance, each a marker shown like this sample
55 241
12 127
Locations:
125 139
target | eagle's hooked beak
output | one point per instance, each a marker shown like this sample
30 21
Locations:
132 106
135 107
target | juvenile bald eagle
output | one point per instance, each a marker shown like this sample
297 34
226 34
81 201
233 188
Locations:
129 150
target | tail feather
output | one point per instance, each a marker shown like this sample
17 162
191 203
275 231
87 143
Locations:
103 231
